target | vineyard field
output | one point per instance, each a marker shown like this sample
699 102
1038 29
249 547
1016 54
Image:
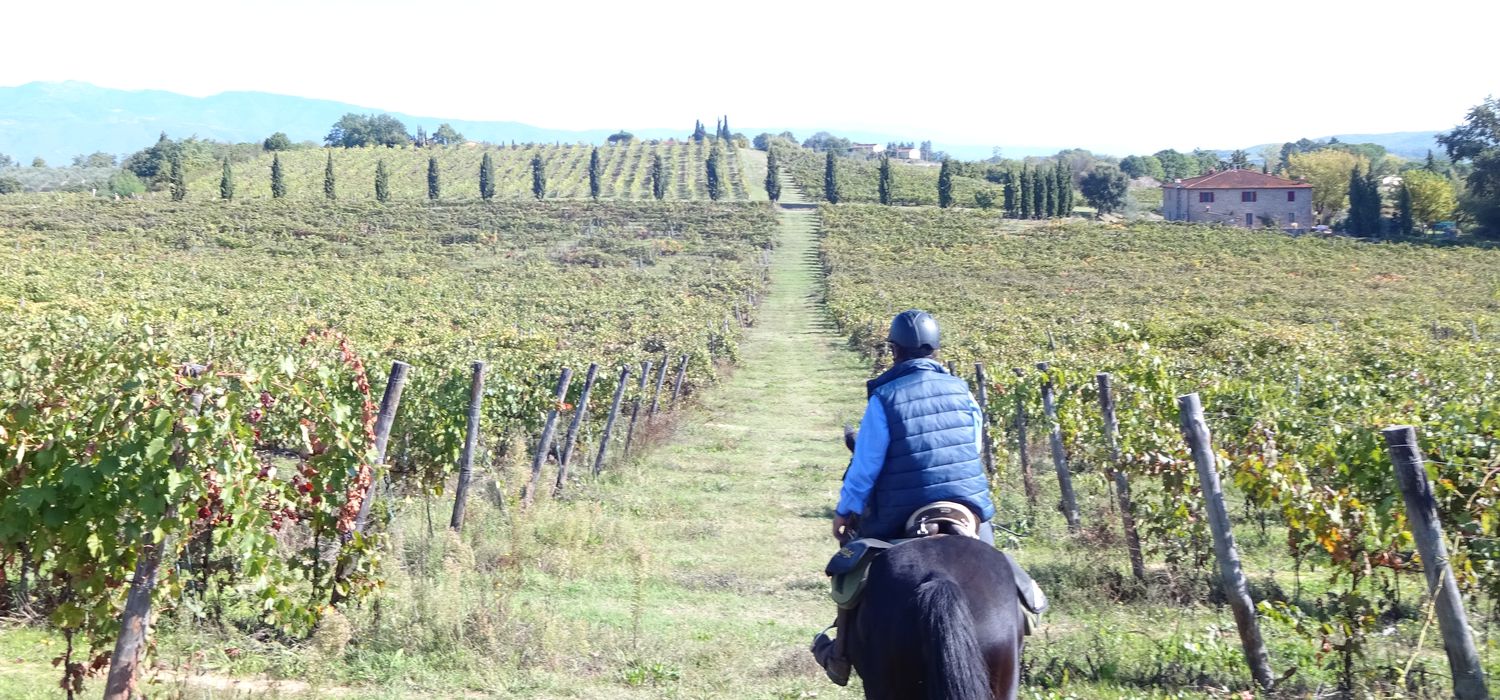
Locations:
1302 350
859 180
205 372
626 172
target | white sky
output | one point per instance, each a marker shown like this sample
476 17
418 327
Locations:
1115 76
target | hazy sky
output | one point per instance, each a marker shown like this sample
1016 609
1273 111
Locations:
1115 76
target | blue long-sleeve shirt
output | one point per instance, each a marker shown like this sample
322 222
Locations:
869 454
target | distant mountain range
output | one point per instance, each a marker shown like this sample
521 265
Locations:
60 120
1413 145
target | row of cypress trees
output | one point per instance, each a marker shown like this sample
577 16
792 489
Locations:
715 177
1031 193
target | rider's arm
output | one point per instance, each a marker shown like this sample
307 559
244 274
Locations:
869 457
978 414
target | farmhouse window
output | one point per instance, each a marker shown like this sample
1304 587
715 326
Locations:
1205 197
1291 195
1247 196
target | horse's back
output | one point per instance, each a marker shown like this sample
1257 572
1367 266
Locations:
889 652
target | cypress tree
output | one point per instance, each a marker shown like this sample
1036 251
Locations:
382 182
724 129
773 176
715 186
885 180
658 178
328 190
1025 192
1049 194
945 184
831 180
1431 166
434 183
1009 193
1038 194
278 180
487 177
179 181
594 174
226 183
1404 204
538 177
1374 217
1064 190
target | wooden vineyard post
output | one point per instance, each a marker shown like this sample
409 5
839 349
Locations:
471 441
1069 503
609 423
984 423
135 619
544 443
1422 518
1231 575
1028 482
677 383
1051 341
635 408
579 412
1474 331
390 402
1122 482
661 378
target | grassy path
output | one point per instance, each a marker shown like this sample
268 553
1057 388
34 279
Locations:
719 588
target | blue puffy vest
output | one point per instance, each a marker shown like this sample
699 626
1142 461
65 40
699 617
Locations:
932 454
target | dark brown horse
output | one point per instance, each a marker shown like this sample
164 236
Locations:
940 619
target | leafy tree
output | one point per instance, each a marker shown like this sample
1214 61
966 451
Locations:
179 179
1049 193
595 173
277 142
6 161
1477 141
984 198
713 176
1403 206
10 185
619 138
538 177
328 181
659 179
1239 160
1104 186
382 182
773 175
1175 165
487 177
1208 161
1432 196
355 130
1009 193
447 135
37 162
226 183
278 179
1143 166
421 139
762 141
97 159
125 184
945 184
824 141
1026 197
1327 171
885 180
925 152
434 179
831 179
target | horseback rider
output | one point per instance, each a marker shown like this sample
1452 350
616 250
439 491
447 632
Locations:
919 443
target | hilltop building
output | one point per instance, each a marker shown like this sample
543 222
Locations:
1239 198
866 149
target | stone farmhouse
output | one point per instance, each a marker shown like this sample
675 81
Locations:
1239 198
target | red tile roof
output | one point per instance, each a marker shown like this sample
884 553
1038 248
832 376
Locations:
1237 180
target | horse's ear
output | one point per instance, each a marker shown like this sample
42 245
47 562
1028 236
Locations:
849 434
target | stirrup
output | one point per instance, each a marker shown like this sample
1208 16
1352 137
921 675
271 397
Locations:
822 651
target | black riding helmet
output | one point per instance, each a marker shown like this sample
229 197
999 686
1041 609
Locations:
915 331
